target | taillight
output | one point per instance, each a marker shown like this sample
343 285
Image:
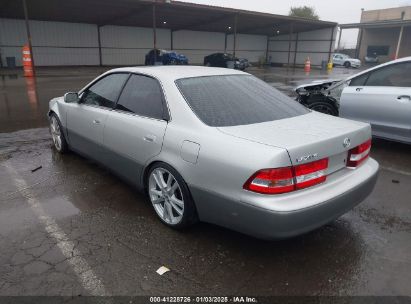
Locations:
358 154
282 180
310 174
271 181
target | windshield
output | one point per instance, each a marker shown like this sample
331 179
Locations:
343 56
231 100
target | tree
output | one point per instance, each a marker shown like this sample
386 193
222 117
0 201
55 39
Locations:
304 12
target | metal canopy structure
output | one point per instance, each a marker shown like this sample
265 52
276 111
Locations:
395 23
162 14
376 24
174 15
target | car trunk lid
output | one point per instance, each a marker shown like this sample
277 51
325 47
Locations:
308 137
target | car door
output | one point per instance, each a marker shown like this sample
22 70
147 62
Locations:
381 97
85 120
219 60
227 61
215 60
135 129
149 56
338 60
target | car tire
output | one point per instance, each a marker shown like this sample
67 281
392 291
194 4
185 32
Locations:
169 194
347 64
323 107
57 134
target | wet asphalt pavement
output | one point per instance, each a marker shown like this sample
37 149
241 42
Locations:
72 228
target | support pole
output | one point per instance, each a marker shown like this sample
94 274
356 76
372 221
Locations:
267 50
339 40
99 45
171 40
290 34
397 51
225 43
358 47
295 49
26 17
331 44
154 34
235 34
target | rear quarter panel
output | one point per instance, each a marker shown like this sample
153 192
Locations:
224 162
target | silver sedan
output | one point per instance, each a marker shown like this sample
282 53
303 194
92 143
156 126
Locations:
219 146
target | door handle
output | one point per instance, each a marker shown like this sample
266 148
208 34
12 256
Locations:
150 138
404 97
96 121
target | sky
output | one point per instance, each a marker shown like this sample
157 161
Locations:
341 11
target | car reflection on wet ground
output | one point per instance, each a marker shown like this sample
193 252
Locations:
72 228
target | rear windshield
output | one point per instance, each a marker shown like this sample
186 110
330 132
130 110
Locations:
232 100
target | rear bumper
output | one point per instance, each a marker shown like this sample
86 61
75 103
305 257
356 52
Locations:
271 224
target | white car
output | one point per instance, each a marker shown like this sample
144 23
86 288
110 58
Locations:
380 96
345 60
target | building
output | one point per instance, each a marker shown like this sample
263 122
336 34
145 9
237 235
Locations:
384 33
121 32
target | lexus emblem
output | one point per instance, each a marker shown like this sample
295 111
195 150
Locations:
346 142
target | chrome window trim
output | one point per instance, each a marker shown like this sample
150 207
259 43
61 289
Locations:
95 106
99 78
137 115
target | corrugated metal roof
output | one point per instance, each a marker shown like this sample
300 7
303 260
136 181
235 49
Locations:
177 15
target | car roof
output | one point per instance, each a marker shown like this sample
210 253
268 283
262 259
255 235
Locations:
173 72
401 59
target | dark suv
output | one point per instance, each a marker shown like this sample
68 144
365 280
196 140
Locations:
165 57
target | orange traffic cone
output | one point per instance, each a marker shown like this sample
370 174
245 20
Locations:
27 62
307 65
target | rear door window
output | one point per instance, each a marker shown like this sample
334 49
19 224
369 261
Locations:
143 96
230 100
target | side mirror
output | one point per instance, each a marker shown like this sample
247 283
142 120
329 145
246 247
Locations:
71 97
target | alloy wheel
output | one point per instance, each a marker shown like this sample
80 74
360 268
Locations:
55 132
166 196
